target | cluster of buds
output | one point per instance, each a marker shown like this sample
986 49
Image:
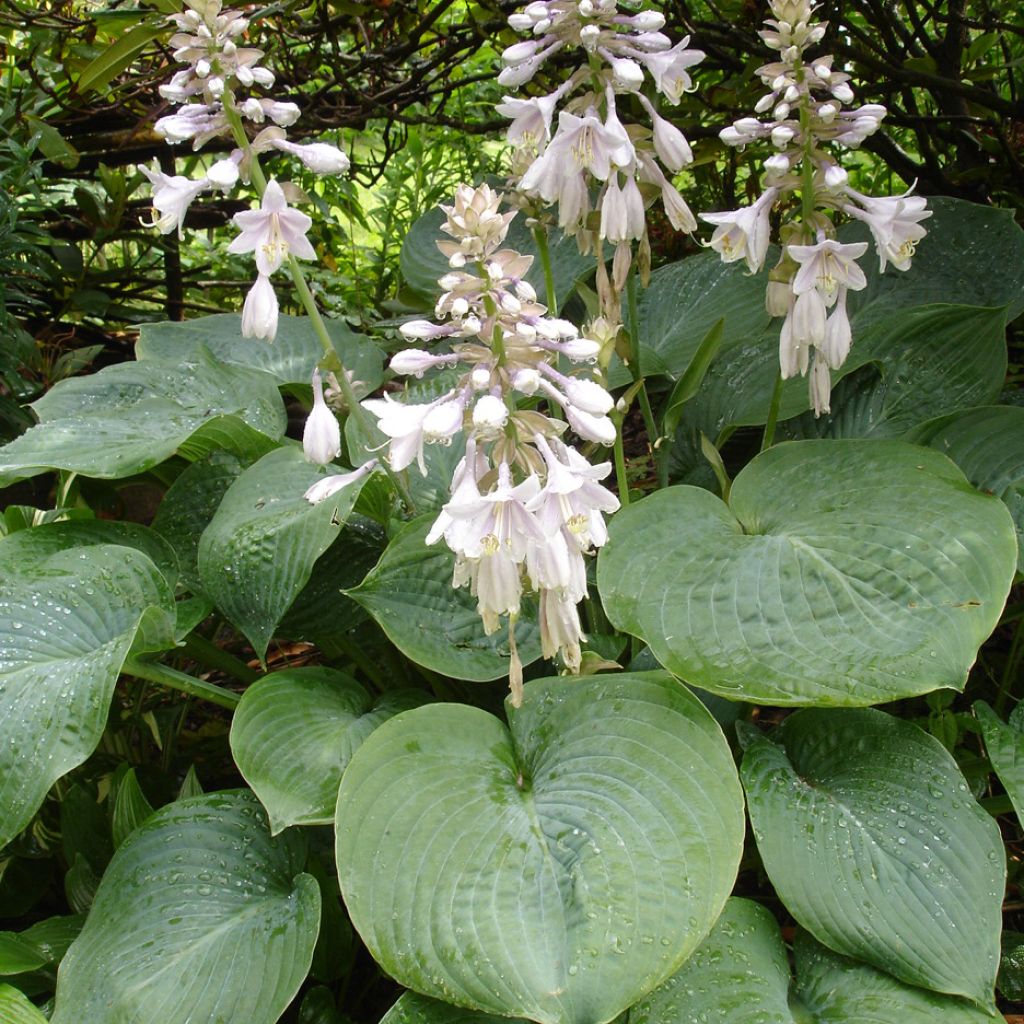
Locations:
525 507
591 148
209 92
807 104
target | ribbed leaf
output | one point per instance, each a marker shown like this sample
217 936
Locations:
988 445
289 359
67 623
1004 743
200 916
841 573
410 594
258 551
16 1009
295 731
132 416
558 869
870 836
412 1008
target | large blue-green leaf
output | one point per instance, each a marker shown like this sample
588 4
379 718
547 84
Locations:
68 620
873 841
410 594
259 549
295 731
840 572
130 417
557 869
289 359
201 916
988 445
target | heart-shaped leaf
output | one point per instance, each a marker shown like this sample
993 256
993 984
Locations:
190 504
841 573
870 836
988 445
258 551
411 596
740 974
67 623
289 359
132 416
201 916
557 869
295 731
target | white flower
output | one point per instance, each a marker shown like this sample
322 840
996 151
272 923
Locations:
224 173
260 311
321 436
560 629
531 118
838 334
581 143
826 266
669 142
669 69
404 425
590 427
329 485
490 413
319 157
820 385
894 223
273 232
416 361
744 233
172 196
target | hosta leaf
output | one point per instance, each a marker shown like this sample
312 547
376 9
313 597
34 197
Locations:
837 990
912 364
422 263
67 623
1004 744
130 417
872 840
289 359
740 975
201 916
925 362
258 551
412 1008
295 731
189 505
131 808
410 594
27 546
18 956
841 572
557 869
988 445
15 1008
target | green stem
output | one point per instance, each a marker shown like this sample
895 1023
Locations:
635 368
181 681
208 653
773 415
331 361
540 236
1013 658
620 467
807 164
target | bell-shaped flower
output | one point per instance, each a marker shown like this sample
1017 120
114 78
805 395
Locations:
894 222
744 233
324 488
403 424
321 436
260 311
560 629
224 173
531 118
826 266
273 232
319 157
820 385
669 69
838 334
172 196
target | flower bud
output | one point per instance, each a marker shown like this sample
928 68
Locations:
588 395
321 437
413 362
490 412
259 313
526 381
591 428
